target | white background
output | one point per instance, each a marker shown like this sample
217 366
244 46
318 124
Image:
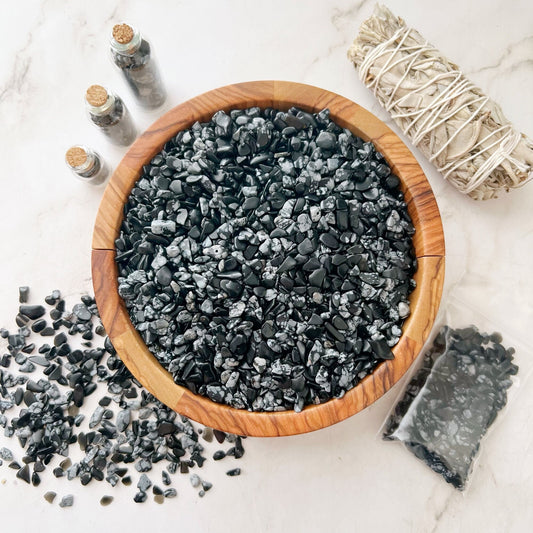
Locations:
340 479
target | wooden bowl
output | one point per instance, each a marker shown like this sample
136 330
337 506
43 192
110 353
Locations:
428 244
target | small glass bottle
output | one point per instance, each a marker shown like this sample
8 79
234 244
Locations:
86 165
109 113
132 54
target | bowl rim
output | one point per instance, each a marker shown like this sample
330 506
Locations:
428 243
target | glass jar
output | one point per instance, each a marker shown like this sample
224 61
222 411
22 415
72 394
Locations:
108 112
133 55
86 164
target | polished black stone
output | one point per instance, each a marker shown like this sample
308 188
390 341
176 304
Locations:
24 293
32 311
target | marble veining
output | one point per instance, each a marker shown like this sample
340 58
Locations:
514 56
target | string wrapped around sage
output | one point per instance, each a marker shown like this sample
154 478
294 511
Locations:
455 125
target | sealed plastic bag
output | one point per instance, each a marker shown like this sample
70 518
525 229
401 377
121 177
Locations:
467 374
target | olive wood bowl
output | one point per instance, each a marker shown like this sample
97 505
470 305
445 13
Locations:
428 244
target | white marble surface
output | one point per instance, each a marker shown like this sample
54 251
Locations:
340 479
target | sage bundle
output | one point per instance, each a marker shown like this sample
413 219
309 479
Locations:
455 125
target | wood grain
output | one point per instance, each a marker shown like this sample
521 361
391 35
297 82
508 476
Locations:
428 243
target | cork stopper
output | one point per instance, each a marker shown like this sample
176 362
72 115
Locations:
122 33
76 156
96 95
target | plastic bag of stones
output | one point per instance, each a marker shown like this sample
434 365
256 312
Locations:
469 371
